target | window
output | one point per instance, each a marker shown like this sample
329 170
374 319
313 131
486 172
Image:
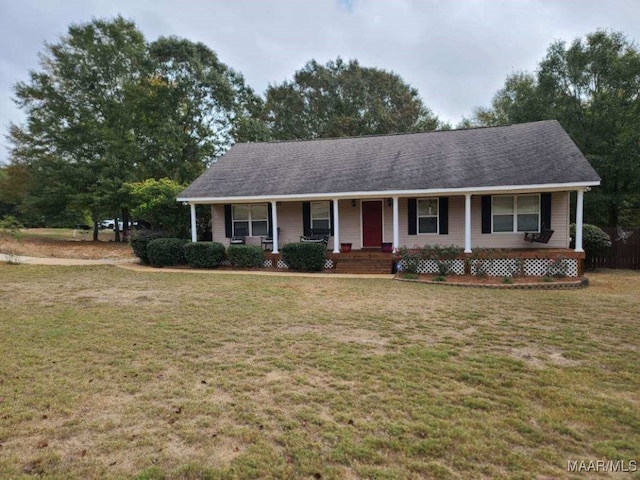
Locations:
427 215
516 213
250 220
320 216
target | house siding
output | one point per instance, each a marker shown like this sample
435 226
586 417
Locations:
290 223
559 223
350 223
217 224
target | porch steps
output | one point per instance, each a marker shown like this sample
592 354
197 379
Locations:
364 262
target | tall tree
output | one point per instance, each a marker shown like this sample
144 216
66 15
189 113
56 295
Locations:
345 99
203 104
592 87
77 135
108 108
517 102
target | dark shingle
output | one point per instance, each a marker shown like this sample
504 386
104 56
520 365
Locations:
525 154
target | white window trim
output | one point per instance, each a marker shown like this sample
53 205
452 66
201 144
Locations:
515 213
437 216
327 218
250 219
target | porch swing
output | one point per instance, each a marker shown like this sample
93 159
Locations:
543 236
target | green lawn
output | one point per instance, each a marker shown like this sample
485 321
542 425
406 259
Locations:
109 373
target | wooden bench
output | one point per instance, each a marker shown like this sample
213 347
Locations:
316 236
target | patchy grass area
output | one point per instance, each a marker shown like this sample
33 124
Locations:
109 373
61 243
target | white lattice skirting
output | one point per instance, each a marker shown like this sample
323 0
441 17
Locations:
496 267
431 266
282 265
506 267
546 266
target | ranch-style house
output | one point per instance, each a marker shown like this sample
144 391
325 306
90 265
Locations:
495 187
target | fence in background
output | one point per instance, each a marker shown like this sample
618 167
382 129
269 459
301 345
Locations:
624 251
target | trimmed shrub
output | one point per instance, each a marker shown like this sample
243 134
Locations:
594 239
305 257
204 254
140 240
246 256
410 259
164 252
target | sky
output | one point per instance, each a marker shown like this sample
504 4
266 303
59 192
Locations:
456 53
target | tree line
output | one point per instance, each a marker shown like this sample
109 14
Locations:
113 120
592 87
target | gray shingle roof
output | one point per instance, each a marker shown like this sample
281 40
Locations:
524 154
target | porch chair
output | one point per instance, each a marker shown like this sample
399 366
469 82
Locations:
238 240
268 240
240 234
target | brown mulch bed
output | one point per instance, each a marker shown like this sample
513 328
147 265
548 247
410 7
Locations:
499 282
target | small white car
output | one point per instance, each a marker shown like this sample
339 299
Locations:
110 224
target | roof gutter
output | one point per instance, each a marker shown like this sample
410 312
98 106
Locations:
505 189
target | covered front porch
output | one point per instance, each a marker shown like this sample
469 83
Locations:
369 222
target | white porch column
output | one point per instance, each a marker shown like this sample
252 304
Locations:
212 222
396 229
274 220
579 214
194 231
336 227
467 223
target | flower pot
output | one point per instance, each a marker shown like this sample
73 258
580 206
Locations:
345 247
387 247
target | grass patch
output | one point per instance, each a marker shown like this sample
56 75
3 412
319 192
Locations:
108 373
61 242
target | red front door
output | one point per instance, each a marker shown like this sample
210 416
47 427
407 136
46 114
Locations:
372 224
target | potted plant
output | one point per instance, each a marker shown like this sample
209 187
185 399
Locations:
345 247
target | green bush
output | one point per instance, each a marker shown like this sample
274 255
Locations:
594 239
305 257
164 252
204 254
441 252
140 240
409 259
10 227
246 256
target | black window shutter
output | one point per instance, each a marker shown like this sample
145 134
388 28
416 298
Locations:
331 216
412 212
270 219
306 219
545 210
443 215
228 222
486 214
